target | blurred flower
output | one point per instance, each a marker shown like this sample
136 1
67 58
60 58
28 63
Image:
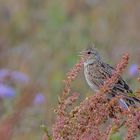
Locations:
20 77
39 98
16 76
6 91
133 70
4 73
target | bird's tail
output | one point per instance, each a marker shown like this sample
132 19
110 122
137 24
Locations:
133 101
136 99
123 104
126 102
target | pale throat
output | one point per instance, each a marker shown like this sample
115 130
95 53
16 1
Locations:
88 62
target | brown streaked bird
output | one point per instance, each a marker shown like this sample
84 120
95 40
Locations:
96 72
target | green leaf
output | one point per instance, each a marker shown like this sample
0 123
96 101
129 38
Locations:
44 128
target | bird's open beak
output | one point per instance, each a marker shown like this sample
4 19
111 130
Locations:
81 53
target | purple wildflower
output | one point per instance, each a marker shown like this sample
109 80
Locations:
39 98
133 70
20 77
6 91
4 73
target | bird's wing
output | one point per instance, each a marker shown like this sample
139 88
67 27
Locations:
121 86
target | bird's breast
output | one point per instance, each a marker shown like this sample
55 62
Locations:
90 77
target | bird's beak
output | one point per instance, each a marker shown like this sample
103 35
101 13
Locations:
81 53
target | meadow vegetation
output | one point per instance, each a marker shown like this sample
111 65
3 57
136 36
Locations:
39 43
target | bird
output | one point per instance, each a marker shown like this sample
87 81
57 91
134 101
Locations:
97 71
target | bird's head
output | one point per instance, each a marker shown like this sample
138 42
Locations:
90 54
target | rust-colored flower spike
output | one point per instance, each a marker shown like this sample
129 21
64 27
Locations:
86 121
132 123
72 74
64 101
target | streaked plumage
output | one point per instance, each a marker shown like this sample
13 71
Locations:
96 73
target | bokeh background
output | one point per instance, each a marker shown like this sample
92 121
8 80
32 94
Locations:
39 43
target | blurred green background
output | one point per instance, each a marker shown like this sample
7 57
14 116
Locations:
40 40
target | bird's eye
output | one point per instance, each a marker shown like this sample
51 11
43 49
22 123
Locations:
89 52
